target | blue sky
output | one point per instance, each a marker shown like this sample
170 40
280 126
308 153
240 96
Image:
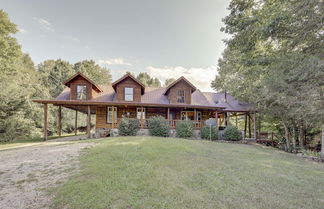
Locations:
164 38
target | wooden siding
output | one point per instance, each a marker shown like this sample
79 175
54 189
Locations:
181 85
80 81
128 82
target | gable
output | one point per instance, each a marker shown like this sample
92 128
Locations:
82 79
182 81
130 79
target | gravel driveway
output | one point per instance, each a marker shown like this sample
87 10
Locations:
27 175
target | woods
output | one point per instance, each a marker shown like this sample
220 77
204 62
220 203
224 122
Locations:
274 60
21 81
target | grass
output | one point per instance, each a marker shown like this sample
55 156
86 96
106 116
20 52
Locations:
30 142
152 172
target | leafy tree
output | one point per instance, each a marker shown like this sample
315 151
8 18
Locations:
19 83
169 81
273 60
95 72
146 79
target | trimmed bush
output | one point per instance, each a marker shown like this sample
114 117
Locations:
232 133
159 126
128 127
210 133
184 129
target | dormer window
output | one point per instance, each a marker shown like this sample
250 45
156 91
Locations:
81 92
180 96
129 94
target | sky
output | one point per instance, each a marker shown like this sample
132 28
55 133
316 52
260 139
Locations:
166 38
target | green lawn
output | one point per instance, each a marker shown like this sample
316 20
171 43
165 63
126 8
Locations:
149 172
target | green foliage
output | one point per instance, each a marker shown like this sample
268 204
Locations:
231 133
146 79
128 127
274 61
95 72
184 129
169 81
210 133
159 126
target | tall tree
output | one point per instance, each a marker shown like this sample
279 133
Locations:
274 61
147 80
98 74
169 81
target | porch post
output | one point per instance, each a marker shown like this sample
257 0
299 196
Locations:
236 119
195 114
89 123
245 125
226 116
59 122
249 120
45 121
142 121
254 126
168 114
216 116
113 117
76 123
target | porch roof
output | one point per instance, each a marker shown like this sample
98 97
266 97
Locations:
154 97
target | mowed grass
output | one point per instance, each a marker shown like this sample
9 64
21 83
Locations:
152 172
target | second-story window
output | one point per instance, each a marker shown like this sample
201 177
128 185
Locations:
180 96
81 92
129 94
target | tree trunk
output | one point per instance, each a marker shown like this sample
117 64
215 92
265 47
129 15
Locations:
287 137
322 148
294 135
301 135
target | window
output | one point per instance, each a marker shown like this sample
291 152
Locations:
139 112
110 117
129 94
180 96
81 92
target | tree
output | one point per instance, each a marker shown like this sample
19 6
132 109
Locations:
273 60
98 74
169 81
146 79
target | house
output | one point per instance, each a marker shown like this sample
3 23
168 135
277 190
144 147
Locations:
127 97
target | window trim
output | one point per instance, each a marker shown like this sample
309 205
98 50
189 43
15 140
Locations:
77 92
129 94
108 118
184 95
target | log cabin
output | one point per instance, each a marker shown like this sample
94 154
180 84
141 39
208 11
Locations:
127 97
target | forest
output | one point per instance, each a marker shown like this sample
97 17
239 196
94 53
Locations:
274 59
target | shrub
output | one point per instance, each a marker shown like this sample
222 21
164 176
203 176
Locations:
184 129
128 127
159 126
210 133
232 133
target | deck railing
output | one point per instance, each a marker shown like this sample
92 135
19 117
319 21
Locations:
197 124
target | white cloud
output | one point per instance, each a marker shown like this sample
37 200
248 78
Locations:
75 39
115 61
21 30
200 77
46 25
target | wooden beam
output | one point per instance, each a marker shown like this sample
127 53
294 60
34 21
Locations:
249 120
112 117
226 118
45 122
195 114
254 126
245 125
89 122
216 116
59 122
168 116
142 121
236 120
76 123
